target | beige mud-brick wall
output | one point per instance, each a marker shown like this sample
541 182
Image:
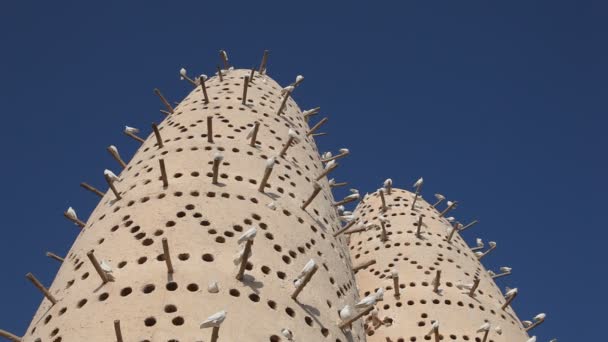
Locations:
202 223
417 260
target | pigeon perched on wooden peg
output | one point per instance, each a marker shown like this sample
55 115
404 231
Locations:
480 255
111 178
245 252
272 205
201 81
105 272
163 100
292 138
451 205
114 153
213 287
348 322
70 214
329 167
371 299
41 287
288 334
267 170
388 186
350 198
224 58
217 160
54 256
418 186
434 330
253 133
334 184
440 198
304 277
132 133
329 157
479 245
11 337
286 93
298 81
262 69
214 321
183 75
316 126
538 320
532 339
509 296
310 112
485 329
505 271
315 192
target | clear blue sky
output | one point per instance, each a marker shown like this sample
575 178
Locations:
499 106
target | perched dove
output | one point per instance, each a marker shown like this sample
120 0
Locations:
287 333
346 312
132 130
214 320
418 183
213 287
71 213
485 327
248 235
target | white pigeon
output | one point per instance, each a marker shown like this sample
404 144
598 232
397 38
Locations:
479 242
204 77
287 333
71 213
491 273
498 330
532 339
451 219
224 54
310 112
511 293
287 90
248 235
347 218
182 73
218 156
113 149
131 130
353 196
439 197
214 320
346 312
344 151
272 206
478 254
213 287
340 209
461 286
485 327
418 183
370 300
327 155
299 80
310 265
330 164
394 274
240 255
449 203
297 282
353 191
540 317
270 162
383 219
388 183
105 266
506 269
434 327
292 134
526 323
111 175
